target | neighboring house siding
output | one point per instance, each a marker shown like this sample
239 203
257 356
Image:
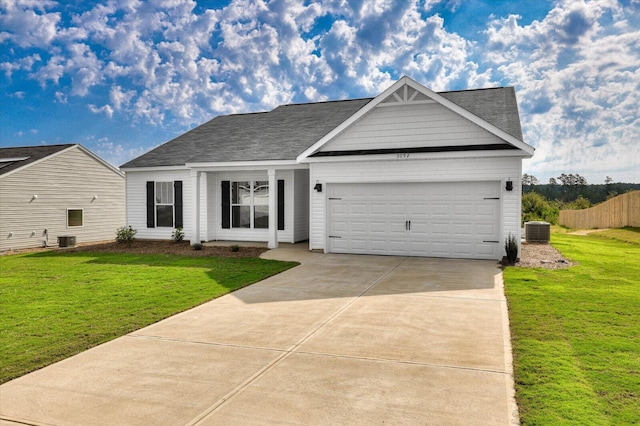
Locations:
301 212
136 201
66 180
435 170
411 126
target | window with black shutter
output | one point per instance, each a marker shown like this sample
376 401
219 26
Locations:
164 204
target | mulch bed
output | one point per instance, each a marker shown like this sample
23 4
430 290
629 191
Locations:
541 255
182 248
533 255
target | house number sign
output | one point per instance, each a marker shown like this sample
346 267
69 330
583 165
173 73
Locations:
402 156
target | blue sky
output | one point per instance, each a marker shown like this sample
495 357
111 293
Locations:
123 76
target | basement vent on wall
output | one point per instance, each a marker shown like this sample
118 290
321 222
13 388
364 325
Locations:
537 232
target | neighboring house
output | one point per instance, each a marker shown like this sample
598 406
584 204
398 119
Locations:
57 190
409 172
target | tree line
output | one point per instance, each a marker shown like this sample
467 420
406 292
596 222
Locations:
565 192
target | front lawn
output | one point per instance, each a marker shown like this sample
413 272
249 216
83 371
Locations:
56 304
576 333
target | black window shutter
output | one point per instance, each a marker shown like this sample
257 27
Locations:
151 205
226 204
280 204
177 196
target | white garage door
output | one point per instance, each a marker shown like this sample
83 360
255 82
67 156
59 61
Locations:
460 219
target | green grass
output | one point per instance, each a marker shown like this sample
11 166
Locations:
56 304
576 333
629 234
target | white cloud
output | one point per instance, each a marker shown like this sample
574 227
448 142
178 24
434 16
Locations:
160 62
61 97
27 24
106 109
576 80
115 153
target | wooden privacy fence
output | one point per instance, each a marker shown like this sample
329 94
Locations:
623 210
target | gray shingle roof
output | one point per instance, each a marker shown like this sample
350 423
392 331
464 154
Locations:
288 130
497 106
15 157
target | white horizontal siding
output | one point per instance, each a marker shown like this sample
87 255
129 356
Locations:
137 201
70 179
435 170
411 126
301 205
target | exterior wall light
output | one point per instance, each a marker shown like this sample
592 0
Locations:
509 186
318 187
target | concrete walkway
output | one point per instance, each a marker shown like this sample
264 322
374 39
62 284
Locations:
338 340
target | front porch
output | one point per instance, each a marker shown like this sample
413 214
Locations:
249 205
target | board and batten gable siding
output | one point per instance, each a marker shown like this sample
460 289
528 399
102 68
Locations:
424 171
68 180
137 201
410 126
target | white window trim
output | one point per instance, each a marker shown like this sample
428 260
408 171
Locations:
156 203
251 205
75 226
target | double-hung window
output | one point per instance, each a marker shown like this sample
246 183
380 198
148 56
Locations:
164 204
250 204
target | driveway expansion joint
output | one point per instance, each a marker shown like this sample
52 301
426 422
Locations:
239 389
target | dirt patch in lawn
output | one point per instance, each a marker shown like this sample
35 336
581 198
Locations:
182 248
541 255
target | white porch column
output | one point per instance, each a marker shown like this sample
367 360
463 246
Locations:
273 209
195 208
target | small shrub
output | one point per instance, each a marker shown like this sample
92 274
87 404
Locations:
511 247
178 234
197 246
125 234
235 248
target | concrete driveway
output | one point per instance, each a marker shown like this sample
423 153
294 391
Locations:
338 340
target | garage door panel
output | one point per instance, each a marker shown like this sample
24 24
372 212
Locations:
440 248
463 249
339 226
419 209
399 209
358 227
440 229
485 250
462 229
487 209
462 210
440 209
378 227
421 219
358 209
396 228
485 229
336 209
418 228
378 209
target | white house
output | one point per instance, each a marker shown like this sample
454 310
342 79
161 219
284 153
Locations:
409 172
50 191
